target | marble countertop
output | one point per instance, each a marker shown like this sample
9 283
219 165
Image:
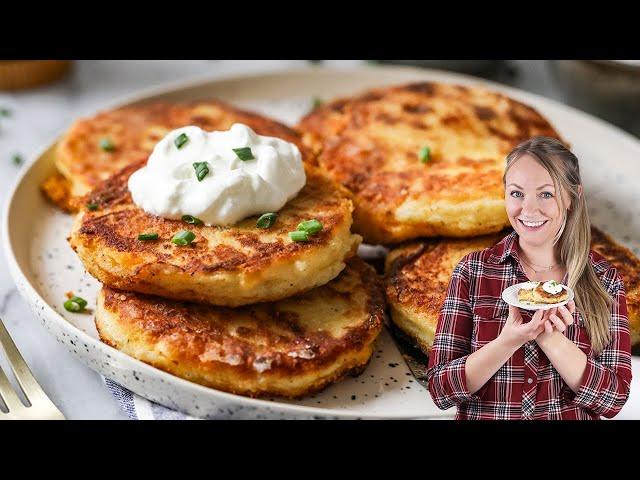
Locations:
36 116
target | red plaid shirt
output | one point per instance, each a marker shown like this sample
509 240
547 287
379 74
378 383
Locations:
527 386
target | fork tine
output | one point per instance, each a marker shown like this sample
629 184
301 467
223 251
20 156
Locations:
8 395
25 378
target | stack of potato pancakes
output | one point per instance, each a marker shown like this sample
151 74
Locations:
249 311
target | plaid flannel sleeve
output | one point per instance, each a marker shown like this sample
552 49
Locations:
451 346
606 381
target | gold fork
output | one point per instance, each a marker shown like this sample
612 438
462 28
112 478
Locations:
40 408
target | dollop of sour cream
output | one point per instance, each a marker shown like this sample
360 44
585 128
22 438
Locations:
552 287
233 189
529 285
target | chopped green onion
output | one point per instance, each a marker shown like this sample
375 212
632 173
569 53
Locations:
17 159
92 206
107 145
317 101
202 169
299 236
425 154
266 220
191 220
181 140
184 237
244 153
5 112
75 304
148 236
310 226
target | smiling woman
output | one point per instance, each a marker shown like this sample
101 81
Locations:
576 359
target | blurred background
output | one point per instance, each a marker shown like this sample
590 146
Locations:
39 100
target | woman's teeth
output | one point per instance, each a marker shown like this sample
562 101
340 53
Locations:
533 224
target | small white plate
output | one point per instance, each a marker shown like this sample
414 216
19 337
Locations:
510 295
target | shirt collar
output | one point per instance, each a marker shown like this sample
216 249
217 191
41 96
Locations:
508 247
505 248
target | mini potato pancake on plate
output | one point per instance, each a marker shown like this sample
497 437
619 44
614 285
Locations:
95 148
423 159
289 348
417 276
536 293
229 266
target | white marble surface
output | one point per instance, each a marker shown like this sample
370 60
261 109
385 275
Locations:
35 118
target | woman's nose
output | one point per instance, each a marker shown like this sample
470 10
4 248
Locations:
529 205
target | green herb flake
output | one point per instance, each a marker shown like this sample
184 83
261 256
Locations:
92 206
181 140
107 145
425 154
75 304
244 153
183 238
202 169
190 219
299 236
266 220
17 159
310 226
317 102
148 236
5 112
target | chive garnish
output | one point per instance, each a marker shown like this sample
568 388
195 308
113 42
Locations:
202 169
184 237
310 226
317 101
17 159
191 220
244 153
148 236
5 112
92 206
299 236
75 304
107 145
181 140
266 220
425 154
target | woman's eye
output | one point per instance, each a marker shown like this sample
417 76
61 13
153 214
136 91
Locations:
516 194
546 195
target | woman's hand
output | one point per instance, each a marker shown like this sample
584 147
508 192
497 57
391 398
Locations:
556 319
516 333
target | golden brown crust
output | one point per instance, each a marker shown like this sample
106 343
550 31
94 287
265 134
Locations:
371 142
58 190
417 276
230 266
292 348
134 131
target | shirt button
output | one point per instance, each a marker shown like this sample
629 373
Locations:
529 380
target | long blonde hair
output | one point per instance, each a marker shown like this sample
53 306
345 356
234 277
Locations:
574 236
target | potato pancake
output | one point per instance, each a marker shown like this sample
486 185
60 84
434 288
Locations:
95 148
417 277
423 159
229 266
289 348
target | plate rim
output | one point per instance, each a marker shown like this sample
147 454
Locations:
31 295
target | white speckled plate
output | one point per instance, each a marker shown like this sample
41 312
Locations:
44 267
510 295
